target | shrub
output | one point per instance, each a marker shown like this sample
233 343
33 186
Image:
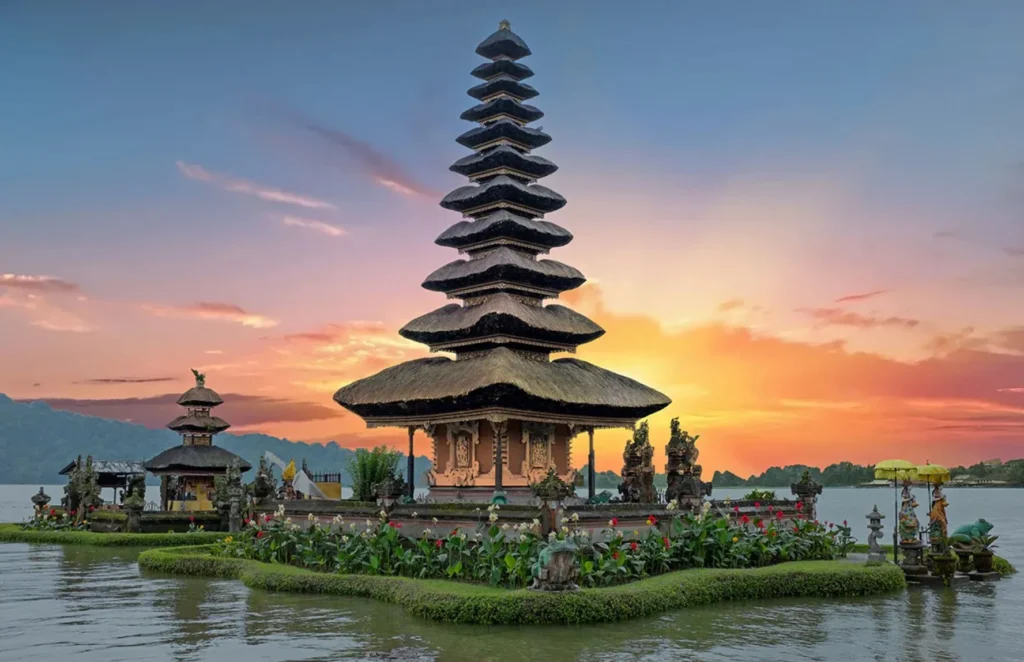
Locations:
17 533
504 555
457 602
760 495
370 467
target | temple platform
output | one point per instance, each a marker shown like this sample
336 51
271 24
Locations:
958 579
984 576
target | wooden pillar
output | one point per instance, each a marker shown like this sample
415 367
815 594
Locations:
591 471
498 434
412 463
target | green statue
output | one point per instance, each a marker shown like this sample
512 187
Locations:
555 569
964 534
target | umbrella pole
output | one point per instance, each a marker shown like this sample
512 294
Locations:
896 521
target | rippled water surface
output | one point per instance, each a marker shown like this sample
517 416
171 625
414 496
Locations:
74 603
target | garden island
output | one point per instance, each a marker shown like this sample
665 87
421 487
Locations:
502 536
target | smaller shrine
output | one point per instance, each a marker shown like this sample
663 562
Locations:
187 472
684 474
637 484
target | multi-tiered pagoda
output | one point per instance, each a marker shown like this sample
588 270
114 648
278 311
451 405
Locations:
187 471
502 412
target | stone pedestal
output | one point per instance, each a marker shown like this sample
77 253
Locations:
556 569
913 559
984 576
134 523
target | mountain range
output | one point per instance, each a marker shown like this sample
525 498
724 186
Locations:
37 441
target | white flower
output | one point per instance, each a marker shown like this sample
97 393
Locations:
522 537
493 517
369 523
338 519
476 535
288 521
311 518
414 514
344 539
565 530
575 517
426 532
706 507
462 536
363 534
295 527
505 526
435 520
611 522
383 514
551 536
618 534
671 505
352 526
536 522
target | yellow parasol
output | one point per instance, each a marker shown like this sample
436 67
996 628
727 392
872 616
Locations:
934 474
289 472
894 470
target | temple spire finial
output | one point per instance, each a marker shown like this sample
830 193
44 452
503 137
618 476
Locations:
504 25
200 378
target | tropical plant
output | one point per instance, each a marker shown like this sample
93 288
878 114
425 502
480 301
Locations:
984 543
369 468
760 495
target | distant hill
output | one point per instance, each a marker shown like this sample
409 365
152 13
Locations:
37 441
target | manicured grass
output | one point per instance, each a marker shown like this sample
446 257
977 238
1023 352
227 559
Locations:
999 564
456 602
14 533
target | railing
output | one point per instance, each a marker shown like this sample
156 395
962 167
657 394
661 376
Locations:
326 477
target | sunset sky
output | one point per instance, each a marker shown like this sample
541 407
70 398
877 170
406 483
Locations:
804 222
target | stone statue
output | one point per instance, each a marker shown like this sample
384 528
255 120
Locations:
937 522
200 378
228 493
552 488
638 468
264 485
909 526
555 568
136 483
964 534
875 552
682 470
40 501
134 503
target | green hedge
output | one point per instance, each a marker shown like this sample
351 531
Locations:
999 564
14 533
456 602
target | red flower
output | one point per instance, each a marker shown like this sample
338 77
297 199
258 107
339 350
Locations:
92 508
438 543
259 534
267 518
760 524
247 522
745 519
830 525
735 509
632 546
844 523
615 556
73 512
614 522
770 508
665 542
53 513
778 514
800 517
652 520
796 529
454 532
394 525
757 504
799 505
191 518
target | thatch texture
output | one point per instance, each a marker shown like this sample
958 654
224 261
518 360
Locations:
110 467
195 458
504 156
504 224
504 128
199 424
503 44
502 314
505 264
489 70
503 189
502 83
502 106
199 396
499 378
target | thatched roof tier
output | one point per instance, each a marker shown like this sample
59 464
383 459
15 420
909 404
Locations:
503 160
502 107
505 265
199 424
502 314
503 44
199 396
489 70
503 189
194 459
503 131
503 224
502 84
503 379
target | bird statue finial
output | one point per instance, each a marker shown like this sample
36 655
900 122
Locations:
200 378
504 25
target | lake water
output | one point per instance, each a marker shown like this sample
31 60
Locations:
77 603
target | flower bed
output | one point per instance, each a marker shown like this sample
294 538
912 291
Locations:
17 533
459 602
503 555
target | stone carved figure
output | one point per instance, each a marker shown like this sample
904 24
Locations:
228 489
682 470
264 485
40 501
83 490
538 452
964 534
909 526
555 568
462 442
200 378
937 521
637 484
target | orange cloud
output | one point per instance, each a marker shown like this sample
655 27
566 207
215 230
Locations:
36 283
840 317
850 298
212 311
731 304
236 185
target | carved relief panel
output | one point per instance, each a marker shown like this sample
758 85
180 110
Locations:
539 439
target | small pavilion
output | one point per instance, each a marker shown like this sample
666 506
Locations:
187 471
111 474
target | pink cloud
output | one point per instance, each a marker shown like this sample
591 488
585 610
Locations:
236 185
